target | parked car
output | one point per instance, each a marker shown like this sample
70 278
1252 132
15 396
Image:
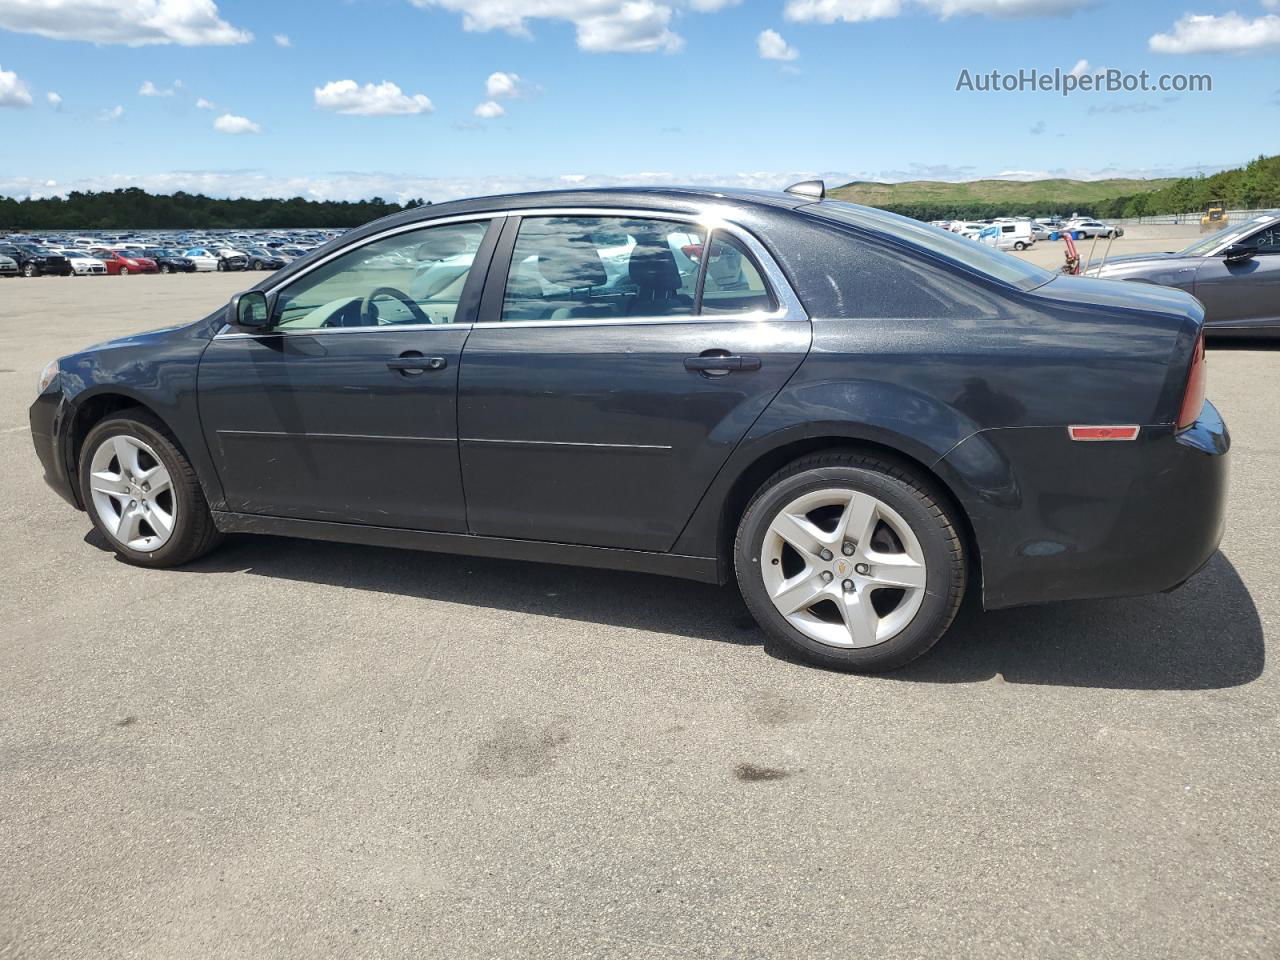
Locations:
120 263
83 264
35 261
170 261
229 258
968 230
1009 235
849 445
1039 231
1093 228
204 260
8 266
260 258
1235 273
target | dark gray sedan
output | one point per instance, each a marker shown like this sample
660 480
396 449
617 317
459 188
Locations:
1235 273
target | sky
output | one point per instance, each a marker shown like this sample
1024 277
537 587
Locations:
349 99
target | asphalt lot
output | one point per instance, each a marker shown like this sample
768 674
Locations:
295 749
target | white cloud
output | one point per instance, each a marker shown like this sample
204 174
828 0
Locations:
371 100
856 11
1229 33
502 84
115 113
230 123
55 100
203 104
773 47
13 92
489 109
134 23
603 26
282 40
149 89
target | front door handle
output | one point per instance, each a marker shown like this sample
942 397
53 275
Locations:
717 363
415 363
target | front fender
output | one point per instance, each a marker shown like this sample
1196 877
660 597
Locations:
157 371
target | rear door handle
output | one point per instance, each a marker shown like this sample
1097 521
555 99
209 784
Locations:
726 363
416 363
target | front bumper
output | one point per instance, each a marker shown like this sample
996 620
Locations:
48 430
1061 520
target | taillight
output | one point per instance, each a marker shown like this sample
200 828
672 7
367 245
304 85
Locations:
1193 396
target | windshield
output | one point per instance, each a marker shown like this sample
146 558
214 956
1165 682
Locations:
1237 231
976 257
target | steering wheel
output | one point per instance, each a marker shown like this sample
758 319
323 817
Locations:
369 313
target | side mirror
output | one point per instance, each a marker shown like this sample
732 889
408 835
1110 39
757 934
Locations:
249 310
1238 253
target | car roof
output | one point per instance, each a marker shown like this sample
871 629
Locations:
682 199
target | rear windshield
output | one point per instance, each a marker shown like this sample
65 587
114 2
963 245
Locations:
943 243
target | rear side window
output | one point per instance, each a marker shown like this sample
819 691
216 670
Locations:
590 268
733 282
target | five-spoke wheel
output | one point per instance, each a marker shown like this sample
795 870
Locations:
851 561
142 493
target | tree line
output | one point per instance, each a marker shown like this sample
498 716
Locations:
136 209
1255 185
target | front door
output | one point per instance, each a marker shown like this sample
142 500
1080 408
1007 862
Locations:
1245 294
622 360
345 409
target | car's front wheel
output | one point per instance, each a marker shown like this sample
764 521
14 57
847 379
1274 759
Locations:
850 562
142 493
31 270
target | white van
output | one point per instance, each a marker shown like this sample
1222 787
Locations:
1008 236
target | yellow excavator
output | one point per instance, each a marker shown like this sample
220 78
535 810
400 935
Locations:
1214 218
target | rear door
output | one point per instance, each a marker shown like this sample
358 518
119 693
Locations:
619 360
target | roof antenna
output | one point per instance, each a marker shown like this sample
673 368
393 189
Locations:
808 188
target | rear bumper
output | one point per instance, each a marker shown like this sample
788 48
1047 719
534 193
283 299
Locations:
1061 520
47 417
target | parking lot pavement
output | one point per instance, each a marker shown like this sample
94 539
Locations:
296 749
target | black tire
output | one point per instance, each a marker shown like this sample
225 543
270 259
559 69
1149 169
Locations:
194 533
222 265
914 499
1019 245
31 270
164 268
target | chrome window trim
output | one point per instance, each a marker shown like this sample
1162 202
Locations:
712 217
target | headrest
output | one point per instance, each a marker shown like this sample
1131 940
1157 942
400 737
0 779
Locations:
569 264
441 245
653 264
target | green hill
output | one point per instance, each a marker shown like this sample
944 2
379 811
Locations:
1255 185
1050 196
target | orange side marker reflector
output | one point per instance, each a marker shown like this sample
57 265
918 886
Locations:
1103 433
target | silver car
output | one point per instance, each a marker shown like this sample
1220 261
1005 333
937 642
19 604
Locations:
8 266
1235 273
1093 228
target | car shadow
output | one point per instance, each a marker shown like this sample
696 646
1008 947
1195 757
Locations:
1207 635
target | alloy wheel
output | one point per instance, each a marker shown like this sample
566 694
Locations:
132 493
843 568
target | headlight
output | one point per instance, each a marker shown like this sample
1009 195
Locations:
47 376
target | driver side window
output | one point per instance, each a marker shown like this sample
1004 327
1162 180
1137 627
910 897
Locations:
409 278
1266 241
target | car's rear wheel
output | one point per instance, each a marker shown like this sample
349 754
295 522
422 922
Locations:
1019 245
850 561
142 493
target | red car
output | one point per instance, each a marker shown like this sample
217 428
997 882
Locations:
120 262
